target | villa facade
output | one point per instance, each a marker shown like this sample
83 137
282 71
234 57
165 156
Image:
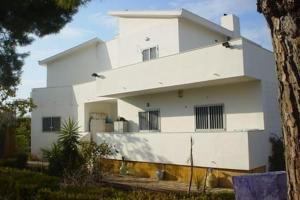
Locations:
173 76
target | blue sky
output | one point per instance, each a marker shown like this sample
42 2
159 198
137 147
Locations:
92 21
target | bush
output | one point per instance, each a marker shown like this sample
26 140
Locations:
65 156
69 156
55 159
19 161
25 185
276 160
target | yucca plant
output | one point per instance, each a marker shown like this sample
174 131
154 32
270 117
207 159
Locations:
68 140
64 156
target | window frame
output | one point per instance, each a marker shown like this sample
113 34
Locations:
159 121
51 124
149 56
209 129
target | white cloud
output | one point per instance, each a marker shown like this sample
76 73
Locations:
71 32
104 20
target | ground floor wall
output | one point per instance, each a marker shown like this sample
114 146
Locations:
242 107
175 172
227 150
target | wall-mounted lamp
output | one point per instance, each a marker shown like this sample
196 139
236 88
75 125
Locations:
98 76
226 44
147 39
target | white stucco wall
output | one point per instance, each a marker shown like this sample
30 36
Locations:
132 38
224 150
76 68
75 101
242 105
260 63
193 36
196 66
50 102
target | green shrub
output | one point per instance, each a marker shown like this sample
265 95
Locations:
64 156
27 185
19 161
276 160
23 184
55 159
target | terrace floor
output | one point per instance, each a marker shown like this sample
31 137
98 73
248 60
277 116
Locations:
130 182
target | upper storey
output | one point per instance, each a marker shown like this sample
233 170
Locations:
169 32
143 35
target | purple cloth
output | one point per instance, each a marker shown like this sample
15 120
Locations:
261 186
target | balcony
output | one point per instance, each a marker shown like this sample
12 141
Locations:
243 150
210 65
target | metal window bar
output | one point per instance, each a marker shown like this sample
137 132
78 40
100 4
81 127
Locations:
209 117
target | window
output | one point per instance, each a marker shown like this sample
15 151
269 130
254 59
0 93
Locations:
150 53
149 120
209 117
51 124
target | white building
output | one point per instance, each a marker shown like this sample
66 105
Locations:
172 75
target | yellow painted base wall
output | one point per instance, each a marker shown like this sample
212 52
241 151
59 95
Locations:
174 172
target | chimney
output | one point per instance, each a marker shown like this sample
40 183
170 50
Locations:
232 23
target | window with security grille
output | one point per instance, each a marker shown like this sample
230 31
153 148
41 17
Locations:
209 117
51 124
149 120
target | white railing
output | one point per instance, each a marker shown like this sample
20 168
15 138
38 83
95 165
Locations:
232 150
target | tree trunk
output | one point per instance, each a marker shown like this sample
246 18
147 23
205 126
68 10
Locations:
283 19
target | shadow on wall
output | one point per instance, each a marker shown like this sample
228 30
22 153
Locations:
133 147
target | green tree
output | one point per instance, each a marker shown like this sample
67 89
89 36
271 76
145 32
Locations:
20 21
23 130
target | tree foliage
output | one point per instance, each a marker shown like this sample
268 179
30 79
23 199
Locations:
20 22
23 130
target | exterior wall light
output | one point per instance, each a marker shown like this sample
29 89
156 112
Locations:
226 44
98 76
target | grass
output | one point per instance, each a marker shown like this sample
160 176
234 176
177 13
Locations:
28 185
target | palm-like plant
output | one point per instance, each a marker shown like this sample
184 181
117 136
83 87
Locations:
69 135
69 141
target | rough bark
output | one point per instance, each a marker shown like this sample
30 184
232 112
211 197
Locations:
283 17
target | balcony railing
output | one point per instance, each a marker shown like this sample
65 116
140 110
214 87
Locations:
209 65
244 150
